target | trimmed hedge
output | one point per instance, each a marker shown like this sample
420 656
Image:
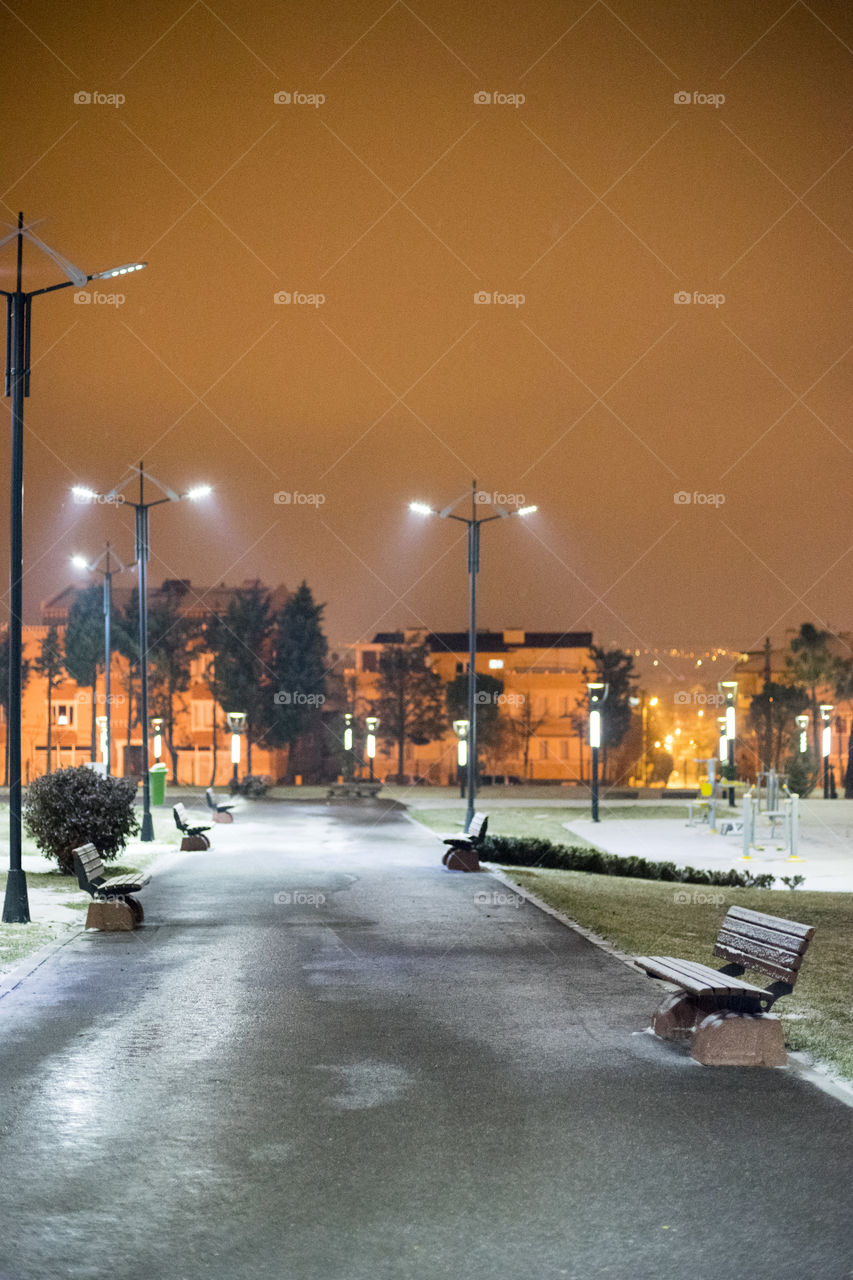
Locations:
517 851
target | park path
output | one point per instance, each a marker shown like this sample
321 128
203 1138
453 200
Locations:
324 1058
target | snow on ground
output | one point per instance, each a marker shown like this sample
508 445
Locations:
826 851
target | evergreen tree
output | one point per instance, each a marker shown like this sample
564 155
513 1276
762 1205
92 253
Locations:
51 665
615 667
411 702
5 648
299 665
241 676
172 641
772 714
84 646
813 666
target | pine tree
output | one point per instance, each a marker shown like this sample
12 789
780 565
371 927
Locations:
84 645
50 664
5 648
241 676
299 665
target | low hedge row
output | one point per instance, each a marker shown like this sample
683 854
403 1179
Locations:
520 851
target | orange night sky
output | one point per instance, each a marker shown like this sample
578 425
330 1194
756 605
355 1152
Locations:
627 153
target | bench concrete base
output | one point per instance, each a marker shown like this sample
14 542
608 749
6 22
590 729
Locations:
113 917
461 860
676 1017
727 1039
721 1038
223 817
194 844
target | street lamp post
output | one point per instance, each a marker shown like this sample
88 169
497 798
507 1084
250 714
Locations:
473 523
460 728
826 710
371 723
597 692
728 688
142 553
16 909
348 764
803 726
80 562
237 724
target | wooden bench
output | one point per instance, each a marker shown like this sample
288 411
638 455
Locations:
354 789
113 907
727 1020
221 812
193 837
464 851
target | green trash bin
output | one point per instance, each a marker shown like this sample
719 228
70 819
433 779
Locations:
157 774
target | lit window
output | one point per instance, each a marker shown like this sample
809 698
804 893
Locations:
496 664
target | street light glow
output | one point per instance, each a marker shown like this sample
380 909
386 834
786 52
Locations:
119 271
83 492
200 491
80 562
421 509
526 511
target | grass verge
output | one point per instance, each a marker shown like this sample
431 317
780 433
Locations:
644 917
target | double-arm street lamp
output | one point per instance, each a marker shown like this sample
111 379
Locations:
473 523
80 562
16 909
142 553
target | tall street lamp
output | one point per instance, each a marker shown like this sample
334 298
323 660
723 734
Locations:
237 724
371 723
16 908
460 728
473 523
826 710
597 692
728 689
142 553
80 562
803 726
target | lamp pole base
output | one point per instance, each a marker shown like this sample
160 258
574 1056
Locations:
16 906
147 828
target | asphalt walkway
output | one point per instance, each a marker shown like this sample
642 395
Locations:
325 1058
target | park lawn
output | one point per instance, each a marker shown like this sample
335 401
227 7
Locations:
649 917
545 824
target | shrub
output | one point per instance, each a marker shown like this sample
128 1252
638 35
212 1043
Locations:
253 785
519 851
77 806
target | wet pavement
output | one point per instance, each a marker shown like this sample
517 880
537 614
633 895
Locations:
325 1058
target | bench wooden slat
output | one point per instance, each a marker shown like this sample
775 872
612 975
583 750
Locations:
699 979
785 943
804 931
752 957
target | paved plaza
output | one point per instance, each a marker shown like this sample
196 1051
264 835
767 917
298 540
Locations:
325 1058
